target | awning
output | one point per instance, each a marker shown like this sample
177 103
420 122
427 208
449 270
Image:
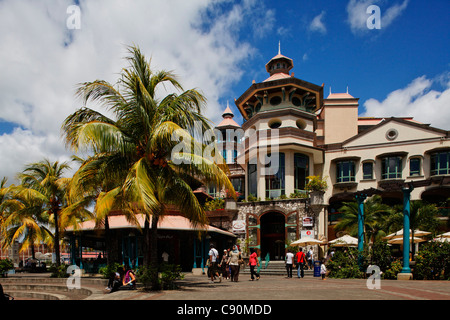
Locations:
169 222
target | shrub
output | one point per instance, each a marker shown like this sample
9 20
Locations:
433 262
165 278
344 264
58 272
395 268
5 265
109 269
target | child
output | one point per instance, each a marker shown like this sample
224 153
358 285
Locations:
323 269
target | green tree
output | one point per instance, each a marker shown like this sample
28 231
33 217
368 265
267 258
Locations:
44 183
26 220
375 213
136 143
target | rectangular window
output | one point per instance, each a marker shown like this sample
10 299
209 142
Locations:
301 171
391 168
275 182
440 163
345 171
367 170
414 167
252 180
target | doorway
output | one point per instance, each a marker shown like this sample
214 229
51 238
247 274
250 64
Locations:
273 235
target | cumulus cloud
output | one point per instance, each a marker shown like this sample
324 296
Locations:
317 24
418 100
42 61
357 13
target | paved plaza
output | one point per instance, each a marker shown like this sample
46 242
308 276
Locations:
281 288
268 288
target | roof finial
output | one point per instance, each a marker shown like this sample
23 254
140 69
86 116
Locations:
279 47
347 89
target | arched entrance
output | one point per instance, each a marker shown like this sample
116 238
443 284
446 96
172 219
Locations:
273 235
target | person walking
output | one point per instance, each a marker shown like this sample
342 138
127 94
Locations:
224 265
289 263
309 258
253 263
300 259
323 269
213 257
233 261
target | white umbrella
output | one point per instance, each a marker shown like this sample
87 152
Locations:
303 242
444 235
345 241
399 234
400 240
442 239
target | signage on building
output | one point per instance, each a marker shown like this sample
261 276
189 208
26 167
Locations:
307 221
307 234
239 226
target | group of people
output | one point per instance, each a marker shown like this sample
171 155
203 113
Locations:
301 261
124 277
228 266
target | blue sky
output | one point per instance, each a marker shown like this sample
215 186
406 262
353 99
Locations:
372 63
219 47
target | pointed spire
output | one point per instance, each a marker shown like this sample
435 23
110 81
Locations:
279 47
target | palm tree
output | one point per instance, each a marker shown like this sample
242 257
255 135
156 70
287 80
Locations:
46 182
423 216
92 183
136 145
3 196
26 220
375 213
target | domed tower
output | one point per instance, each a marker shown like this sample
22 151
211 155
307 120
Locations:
285 108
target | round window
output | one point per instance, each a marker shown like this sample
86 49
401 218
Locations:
296 101
301 124
274 124
275 100
391 134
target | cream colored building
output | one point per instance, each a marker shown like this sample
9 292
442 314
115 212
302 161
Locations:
321 136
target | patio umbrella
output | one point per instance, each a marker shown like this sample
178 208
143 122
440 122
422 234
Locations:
303 242
399 234
444 235
345 241
400 240
441 239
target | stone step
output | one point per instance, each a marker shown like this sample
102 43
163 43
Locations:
30 295
45 288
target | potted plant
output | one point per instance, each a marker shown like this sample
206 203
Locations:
316 187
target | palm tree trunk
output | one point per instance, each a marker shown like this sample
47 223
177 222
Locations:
109 259
146 248
154 241
57 250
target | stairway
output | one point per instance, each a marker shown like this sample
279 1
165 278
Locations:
42 287
275 268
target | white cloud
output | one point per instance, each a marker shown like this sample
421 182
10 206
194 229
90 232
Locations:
357 13
41 61
317 24
418 100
